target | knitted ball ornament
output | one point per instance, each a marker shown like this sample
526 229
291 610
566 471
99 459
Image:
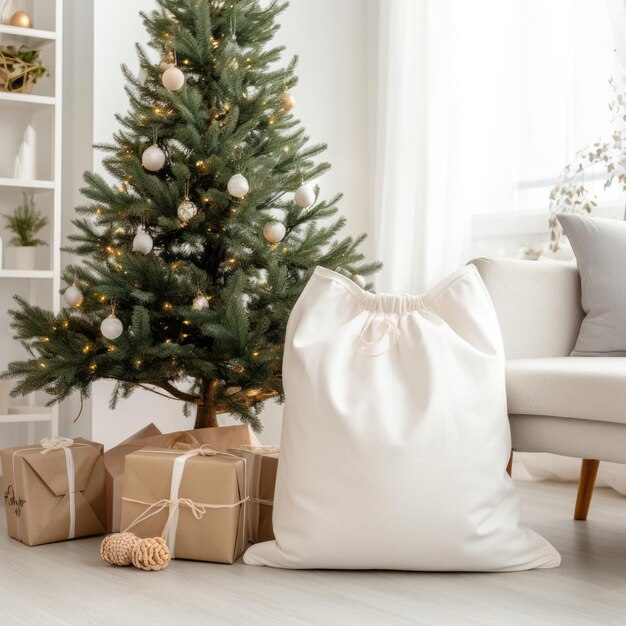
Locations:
151 554
117 549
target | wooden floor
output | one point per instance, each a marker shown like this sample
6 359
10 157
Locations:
66 583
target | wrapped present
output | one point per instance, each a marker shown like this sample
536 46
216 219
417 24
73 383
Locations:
194 499
261 467
220 438
54 491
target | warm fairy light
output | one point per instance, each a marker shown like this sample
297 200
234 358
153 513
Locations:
186 322
285 250
98 212
186 61
103 298
86 349
175 266
184 335
156 110
214 42
168 341
286 149
138 362
232 261
119 231
111 348
204 199
271 120
93 367
256 353
233 210
45 339
42 365
168 306
200 164
227 106
65 324
121 189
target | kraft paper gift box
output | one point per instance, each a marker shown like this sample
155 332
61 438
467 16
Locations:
220 438
54 493
195 502
261 467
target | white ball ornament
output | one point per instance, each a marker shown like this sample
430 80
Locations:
153 158
359 280
73 296
173 79
274 232
111 327
238 186
305 196
200 303
187 210
142 242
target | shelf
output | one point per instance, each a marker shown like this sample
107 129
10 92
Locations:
29 38
26 273
18 100
34 185
16 418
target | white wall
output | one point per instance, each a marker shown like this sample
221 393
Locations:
331 100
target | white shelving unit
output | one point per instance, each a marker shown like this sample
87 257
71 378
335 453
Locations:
50 13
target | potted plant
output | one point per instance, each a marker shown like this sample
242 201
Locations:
25 222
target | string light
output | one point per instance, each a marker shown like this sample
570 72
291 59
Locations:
86 349
45 339
168 306
42 365
256 353
138 362
111 348
65 324
186 61
93 367
186 322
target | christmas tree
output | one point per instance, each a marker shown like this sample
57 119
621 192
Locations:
193 259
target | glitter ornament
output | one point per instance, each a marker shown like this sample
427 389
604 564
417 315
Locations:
187 210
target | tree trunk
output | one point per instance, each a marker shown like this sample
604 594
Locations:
206 410
206 416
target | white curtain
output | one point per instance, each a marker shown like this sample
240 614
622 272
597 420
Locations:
479 105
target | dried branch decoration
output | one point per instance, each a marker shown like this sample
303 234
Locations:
570 195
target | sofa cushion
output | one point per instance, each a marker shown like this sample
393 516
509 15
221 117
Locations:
600 247
591 388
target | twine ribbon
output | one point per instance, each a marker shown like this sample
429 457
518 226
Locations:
260 449
55 443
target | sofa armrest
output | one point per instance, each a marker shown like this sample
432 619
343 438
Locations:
537 304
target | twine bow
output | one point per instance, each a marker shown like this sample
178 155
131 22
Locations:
55 443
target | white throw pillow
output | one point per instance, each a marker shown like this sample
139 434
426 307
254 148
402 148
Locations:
395 436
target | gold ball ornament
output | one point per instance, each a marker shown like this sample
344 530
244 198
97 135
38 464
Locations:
117 549
22 19
287 101
151 555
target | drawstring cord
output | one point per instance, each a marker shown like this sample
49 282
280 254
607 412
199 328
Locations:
391 308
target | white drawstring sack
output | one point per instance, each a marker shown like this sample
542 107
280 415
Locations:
395 436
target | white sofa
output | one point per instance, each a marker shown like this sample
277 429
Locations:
573 406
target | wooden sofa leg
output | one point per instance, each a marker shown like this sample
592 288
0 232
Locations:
588 474
509 467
